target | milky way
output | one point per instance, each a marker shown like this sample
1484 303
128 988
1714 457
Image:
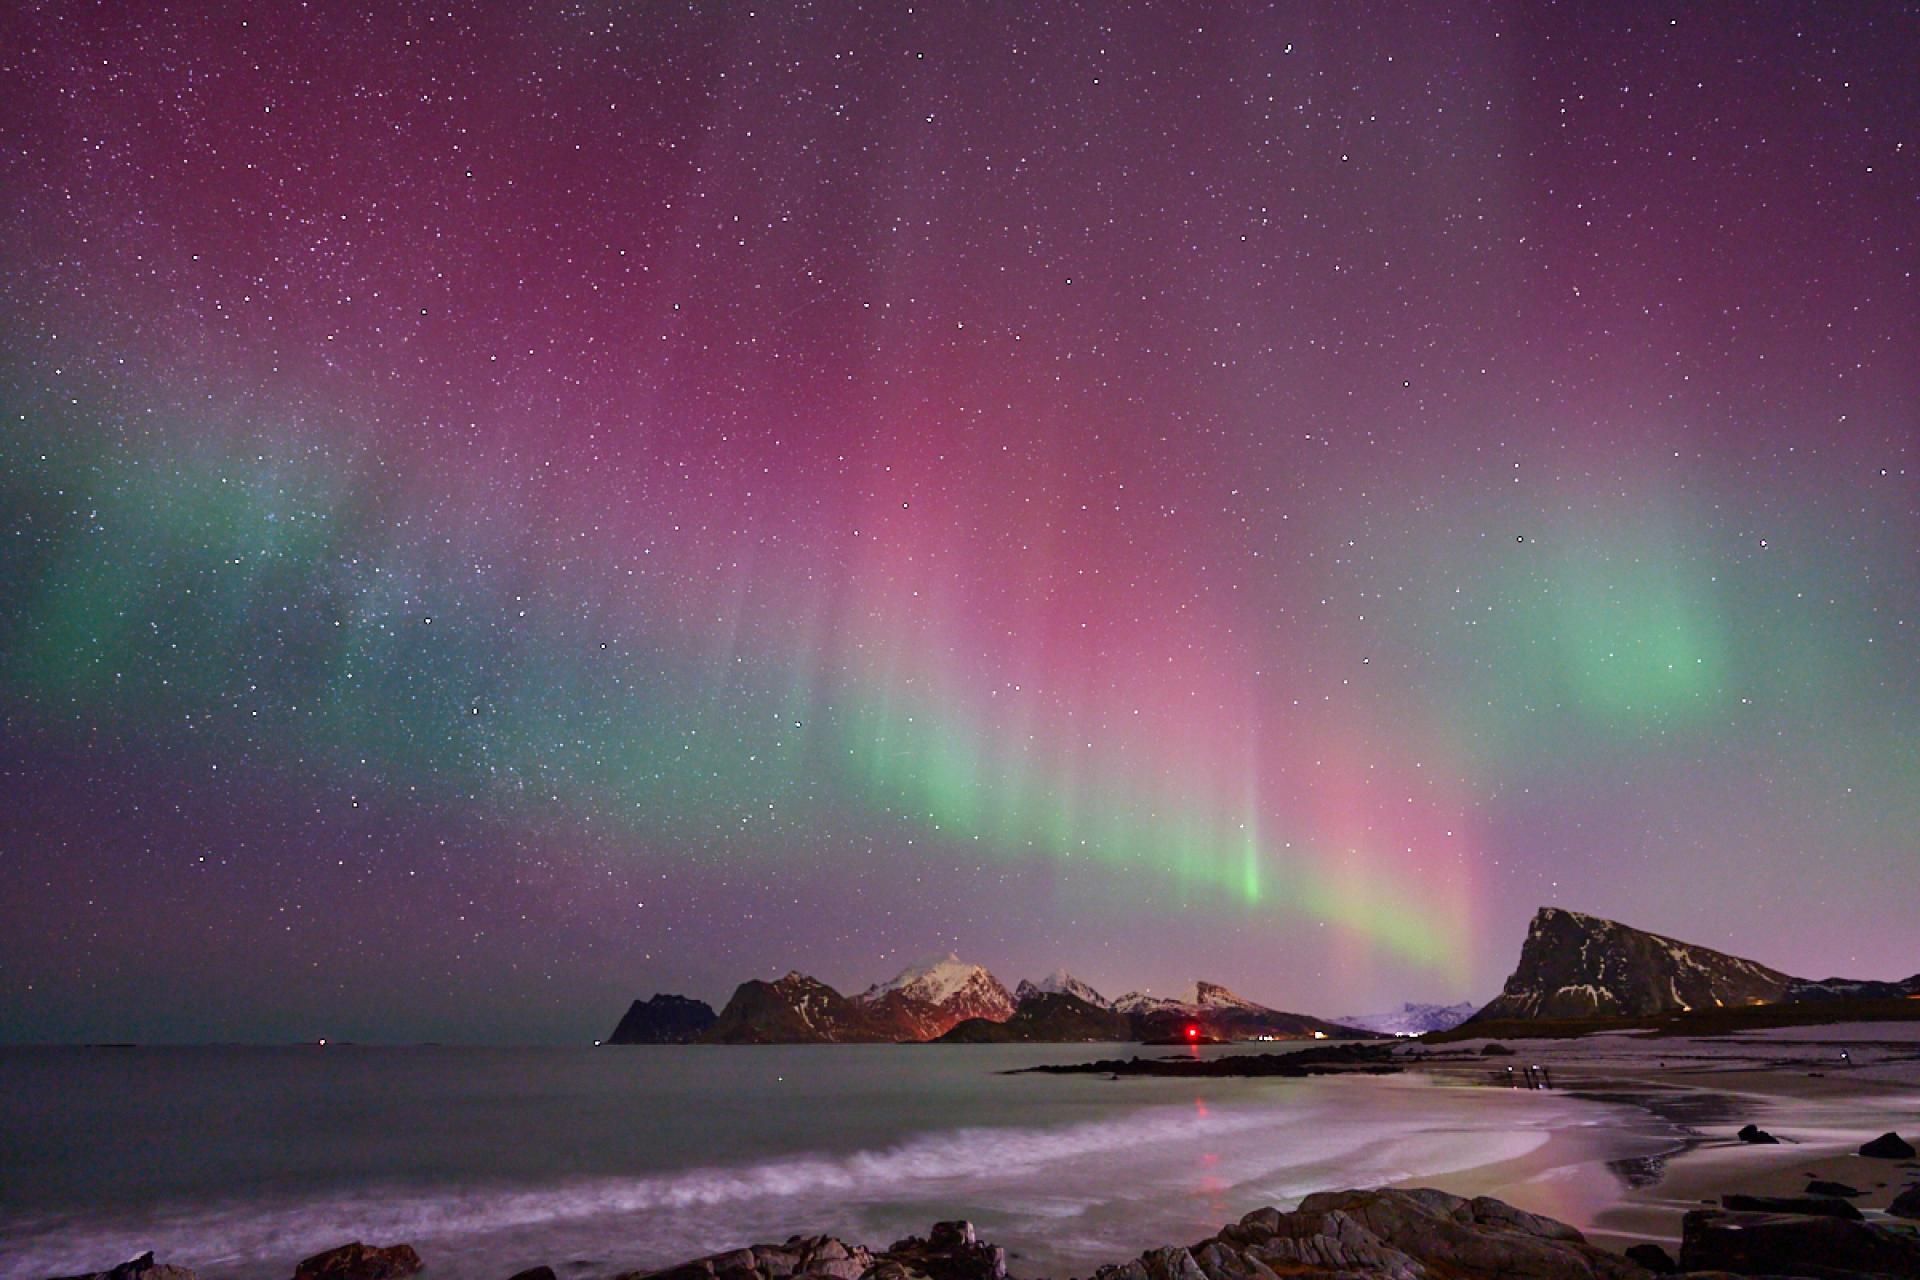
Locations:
507 511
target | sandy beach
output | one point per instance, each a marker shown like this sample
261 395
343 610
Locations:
1794 1083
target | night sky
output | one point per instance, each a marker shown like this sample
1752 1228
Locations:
509 511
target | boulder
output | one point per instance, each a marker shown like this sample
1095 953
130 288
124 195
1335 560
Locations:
1793 1244
1754 1135
1888 1146
535 1273
951 1251
1413 1234
1820 1206
1906 1204
358 1261
1653 1258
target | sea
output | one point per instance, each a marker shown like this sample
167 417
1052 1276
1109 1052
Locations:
239 1161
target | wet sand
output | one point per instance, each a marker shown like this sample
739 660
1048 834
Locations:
1692 1096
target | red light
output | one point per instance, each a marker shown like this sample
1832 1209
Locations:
1193 1033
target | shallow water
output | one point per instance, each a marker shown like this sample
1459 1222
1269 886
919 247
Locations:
240 1161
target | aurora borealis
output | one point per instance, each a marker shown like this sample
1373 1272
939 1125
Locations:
508 510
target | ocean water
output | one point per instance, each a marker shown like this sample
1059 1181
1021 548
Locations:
240 1161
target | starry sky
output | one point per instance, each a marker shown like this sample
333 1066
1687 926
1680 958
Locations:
506 510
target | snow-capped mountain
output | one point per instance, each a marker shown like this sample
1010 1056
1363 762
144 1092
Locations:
925 1000
1061 983
1213 1010
1413 1019
1198 998
1581 966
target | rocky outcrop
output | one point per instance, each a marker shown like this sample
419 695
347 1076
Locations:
1402 1235
358 1261
664 1019
951 1251
1781 1244
1580 966
1045 1017
141 1268
1819 1206
1906 1204
1336 1235
795 1009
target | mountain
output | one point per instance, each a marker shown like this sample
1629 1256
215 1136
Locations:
1217 1012
664 1019
923 1001
795 1009
1854 989
1413 1019
1580 966
1053 1017
1060 982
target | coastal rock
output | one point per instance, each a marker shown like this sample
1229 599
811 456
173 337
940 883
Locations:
358 1261
141 1268
1888 1146
1754 1135
1820 1187
951 1251
1653 1258
1793 1244
1821 1206
664 1019
535 1273
1581 966
1387 1235
1906 1204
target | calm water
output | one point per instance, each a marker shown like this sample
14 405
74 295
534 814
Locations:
240 1161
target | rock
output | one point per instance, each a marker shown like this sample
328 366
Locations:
1494 1049
1822 1206
1754 1135
951 1251
1888 1146
1821 1188
952 1235
1220 1261
1653 1258
535 1273
1409 1235
141 1268
1793 1244
358 1261
1906 1204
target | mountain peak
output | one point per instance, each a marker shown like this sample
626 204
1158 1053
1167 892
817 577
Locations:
1574 965
1062 983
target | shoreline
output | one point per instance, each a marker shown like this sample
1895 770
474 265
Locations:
1641 1132
1704 1088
